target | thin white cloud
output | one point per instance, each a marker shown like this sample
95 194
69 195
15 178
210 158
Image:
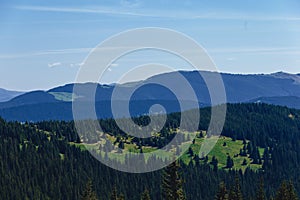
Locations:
63 51
257 50
114 65
76 64
130 3
56 64
110 68
57 52
99 10
231 59
47 52
240 50
159 13
245 17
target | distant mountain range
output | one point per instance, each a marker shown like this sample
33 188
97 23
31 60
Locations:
6 95
56 104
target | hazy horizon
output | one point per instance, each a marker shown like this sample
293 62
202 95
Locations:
46 89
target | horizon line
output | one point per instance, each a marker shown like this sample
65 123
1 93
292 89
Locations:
180 70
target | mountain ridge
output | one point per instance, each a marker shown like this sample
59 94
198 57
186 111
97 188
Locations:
6 95
278 88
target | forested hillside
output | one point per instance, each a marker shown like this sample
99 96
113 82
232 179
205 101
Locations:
46 160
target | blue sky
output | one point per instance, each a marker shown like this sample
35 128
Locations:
43 43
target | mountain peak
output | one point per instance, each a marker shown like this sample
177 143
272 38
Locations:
285 75
280 73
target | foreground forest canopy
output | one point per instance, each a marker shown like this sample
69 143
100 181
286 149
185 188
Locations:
46 160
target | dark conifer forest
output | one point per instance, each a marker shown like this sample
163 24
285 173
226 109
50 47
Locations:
43 161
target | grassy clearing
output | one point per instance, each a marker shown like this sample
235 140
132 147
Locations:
220 151
63 96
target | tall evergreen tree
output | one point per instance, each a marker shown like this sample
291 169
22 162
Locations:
222 193
235 192
286 191
89 193
145 195
261 192
191 152
292 193
121 197
229 162
172 183
266 155
114 195
244 162
214 162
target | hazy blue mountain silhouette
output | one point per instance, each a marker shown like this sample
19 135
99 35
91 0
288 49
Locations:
278 88
6 95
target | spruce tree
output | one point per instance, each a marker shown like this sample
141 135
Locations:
229 162
222 193
235 192
121 197
114 195
172 183
145 195
286 191
291 190
89 193
282 192
191 152
214 162
261 192
197 160
244 162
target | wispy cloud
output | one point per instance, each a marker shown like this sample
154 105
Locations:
242 50
130 10
47 52
114 65
230 59
56 64
245 17
63 51
76 64
99 10
110 68
130 3
257 50
59 64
